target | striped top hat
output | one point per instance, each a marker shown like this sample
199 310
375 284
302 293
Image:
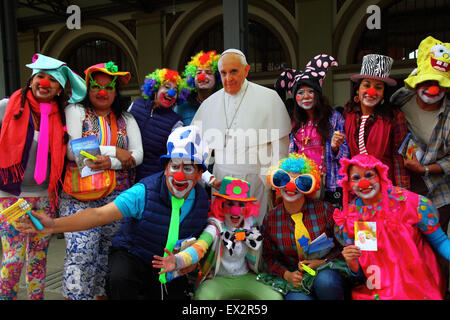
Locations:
376 66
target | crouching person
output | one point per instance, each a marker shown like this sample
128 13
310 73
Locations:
233 239
156 212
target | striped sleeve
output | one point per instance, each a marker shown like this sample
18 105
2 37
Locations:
196 251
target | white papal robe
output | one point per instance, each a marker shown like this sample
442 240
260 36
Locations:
249 132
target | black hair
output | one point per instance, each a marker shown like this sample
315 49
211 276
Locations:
322 114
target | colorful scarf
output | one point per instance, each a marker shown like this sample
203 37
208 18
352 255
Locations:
12 142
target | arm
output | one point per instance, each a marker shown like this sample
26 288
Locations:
341 149
74 119
429 226
398 134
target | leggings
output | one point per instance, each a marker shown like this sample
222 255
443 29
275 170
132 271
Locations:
18 248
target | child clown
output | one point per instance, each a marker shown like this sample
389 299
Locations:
233 239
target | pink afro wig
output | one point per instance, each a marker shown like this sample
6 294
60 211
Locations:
367 162
251 209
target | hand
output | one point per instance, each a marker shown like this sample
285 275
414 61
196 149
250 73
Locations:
351 254
313 264
414 165
101 163
337 140
25 224
168 263
295 278
187 270
216 184
125 158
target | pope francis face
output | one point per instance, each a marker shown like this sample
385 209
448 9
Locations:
233 72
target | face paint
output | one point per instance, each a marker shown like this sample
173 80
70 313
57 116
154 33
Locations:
44 87
305 97
365 183
291 196
181 177
430 95
164 94
204 79
371 92
233 213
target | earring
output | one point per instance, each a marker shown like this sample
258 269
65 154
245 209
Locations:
356 99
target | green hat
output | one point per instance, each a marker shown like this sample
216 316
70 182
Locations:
235 189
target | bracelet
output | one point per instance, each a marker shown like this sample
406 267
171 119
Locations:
427 171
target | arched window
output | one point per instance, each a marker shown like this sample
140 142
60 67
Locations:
265 50
99 50
403 25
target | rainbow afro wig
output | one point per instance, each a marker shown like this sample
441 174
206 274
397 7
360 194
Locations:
202 60
159 77
301 164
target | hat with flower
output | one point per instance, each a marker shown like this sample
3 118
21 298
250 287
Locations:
108 68
202 60
235 189
159 77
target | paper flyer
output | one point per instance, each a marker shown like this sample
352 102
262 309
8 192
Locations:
366 235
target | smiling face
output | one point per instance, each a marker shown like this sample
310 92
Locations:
45 87
166 95
430 92
370 92
204 79
290 192
233 72
365 183
233 213
305 97
181 177
102 92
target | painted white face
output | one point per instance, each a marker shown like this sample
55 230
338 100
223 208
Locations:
426 96
204 79
364 183
181 175
167 94
233 214
305 97
371 92
291 196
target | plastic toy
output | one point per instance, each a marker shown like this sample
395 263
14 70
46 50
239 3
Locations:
17 210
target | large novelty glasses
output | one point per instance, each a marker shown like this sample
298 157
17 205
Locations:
304 182
94 86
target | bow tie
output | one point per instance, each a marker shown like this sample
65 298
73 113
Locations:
252 238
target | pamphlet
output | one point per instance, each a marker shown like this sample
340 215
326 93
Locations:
366 235
409 147
88 145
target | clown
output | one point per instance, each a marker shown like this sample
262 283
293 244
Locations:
291 226
318 130
155 116
204 79
404 265
426 106
32 152
156 212
232 235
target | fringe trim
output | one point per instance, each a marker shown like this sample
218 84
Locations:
15 172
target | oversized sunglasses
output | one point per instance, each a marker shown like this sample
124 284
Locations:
304 182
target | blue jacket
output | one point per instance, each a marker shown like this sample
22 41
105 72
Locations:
155 128
148 236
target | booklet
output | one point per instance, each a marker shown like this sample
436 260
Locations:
366 235
409 147
82 146
318 248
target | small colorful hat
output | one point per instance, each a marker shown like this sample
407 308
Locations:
376 66
235 189
62 73
109 68
433 63
313 76
186 143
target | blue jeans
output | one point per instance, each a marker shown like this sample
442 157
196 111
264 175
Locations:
328 285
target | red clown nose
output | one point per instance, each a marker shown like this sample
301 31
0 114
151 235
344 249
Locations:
201 77
364 184
179 176
102 93
44 83
371 92
291 187
433 90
